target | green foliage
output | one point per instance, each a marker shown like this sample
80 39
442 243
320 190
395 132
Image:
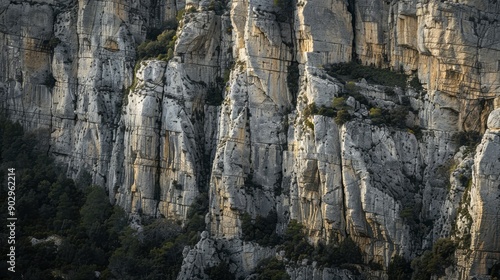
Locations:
271 269
399 269
417 131
297 247
436 261
326 111
180 15
154 32
416 84
214 96
191 9
342 117
94 235
161 48
353 90
467 138
395 117
96 209
215 92
311 109
261 230
218 6
346 252
196 217
353 70
220 272
309 124
376 116
339 103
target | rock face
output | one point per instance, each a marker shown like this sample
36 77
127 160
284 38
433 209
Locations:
155 138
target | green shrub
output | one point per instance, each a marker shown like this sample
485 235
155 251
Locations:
342 117
397 116
399 269
376 116
218 6
196 214
271 269
353 90
161 48
262 230
214 96
326 111
339 103
467 138
436 261
154 32
416 84
180 15
379 76
417 131
310 110
296 246
309 124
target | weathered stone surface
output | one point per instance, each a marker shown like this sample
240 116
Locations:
150 138
482 207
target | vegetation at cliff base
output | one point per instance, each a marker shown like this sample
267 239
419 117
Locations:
69 230
434 262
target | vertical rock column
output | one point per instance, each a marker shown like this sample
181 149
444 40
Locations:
484 201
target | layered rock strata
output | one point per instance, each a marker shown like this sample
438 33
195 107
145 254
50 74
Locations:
154 139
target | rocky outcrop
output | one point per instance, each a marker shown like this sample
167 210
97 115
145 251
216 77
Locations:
479 207
228 115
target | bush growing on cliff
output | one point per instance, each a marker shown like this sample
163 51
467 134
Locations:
399 269
436 261
297 247
353 70
161 48
342 117
271 269
262 230
467 138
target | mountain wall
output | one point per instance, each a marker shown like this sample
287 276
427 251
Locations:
150 133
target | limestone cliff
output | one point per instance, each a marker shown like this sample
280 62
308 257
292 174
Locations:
149 131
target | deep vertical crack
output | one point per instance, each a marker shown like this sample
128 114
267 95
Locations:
351 8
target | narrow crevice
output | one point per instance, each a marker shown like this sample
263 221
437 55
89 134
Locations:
351 8
343 187
157 183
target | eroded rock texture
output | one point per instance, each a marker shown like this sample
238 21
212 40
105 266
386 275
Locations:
153 137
